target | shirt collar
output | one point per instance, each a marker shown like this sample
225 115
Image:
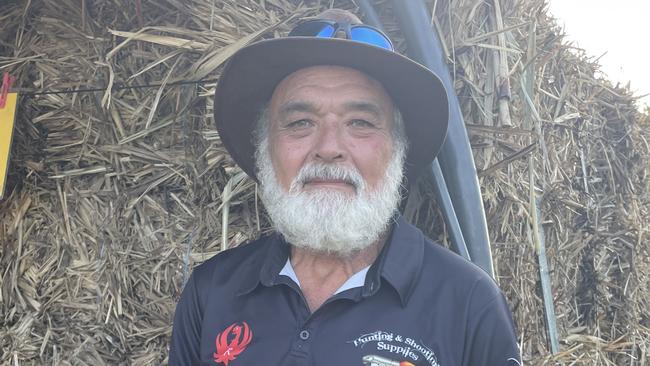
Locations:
356 280
270 261
399 263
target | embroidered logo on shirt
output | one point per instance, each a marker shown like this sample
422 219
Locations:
232 342
396 345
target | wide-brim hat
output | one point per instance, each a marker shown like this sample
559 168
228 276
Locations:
251 75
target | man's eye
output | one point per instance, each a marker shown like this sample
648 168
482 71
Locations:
361 123
302 123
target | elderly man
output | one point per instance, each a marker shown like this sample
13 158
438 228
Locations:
332 123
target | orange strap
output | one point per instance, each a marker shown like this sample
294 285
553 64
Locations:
7 82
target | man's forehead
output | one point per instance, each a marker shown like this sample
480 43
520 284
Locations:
313 81
364 105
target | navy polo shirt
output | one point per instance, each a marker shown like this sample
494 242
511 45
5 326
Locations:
420 305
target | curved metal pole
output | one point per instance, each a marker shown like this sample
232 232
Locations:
451 220
370 14
442 194
456 160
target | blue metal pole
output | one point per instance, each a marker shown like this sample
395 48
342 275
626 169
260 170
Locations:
456 160
440 188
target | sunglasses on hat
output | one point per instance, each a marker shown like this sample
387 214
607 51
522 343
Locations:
355 32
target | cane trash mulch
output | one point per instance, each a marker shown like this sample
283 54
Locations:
119 184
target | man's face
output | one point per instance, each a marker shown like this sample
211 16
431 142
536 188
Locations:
330 115
328 163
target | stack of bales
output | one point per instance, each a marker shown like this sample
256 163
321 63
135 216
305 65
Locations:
114 195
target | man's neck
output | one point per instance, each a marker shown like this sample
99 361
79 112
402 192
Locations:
321 274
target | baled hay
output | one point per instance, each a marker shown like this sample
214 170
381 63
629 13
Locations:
115 195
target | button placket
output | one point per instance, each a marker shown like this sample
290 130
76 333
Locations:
302 343
304 334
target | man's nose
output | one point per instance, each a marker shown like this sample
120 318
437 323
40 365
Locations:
329 146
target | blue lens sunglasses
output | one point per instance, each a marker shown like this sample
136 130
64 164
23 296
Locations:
355 32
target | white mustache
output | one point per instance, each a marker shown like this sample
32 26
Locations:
327 172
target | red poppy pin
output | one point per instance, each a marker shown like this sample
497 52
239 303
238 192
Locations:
240 336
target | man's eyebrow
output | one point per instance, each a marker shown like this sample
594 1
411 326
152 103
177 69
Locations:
363 106
296 106
304 106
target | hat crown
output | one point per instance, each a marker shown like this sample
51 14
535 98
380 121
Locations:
339 16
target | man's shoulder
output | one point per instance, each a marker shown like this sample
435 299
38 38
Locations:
455 273
446 260
467 298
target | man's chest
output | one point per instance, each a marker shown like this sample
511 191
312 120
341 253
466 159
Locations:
272 326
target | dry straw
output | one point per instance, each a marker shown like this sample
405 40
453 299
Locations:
114 196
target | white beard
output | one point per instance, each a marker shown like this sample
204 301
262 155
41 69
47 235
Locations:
327 220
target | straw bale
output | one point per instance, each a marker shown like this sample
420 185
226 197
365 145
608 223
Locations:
115 195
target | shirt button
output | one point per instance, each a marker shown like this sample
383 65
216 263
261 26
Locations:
304 335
